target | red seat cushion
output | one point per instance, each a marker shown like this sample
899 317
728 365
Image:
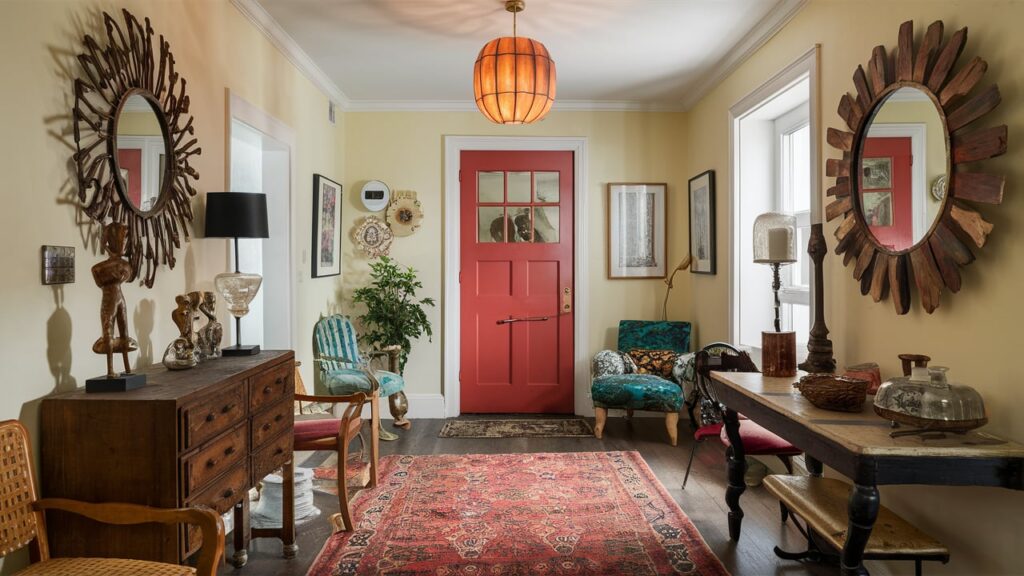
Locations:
306 430
759 440
707 431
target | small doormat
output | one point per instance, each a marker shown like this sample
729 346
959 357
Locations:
532 428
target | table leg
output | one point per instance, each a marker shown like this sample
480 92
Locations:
290 548
241 533
737 465
813 465
863 510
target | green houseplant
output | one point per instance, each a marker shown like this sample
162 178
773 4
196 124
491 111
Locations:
393 315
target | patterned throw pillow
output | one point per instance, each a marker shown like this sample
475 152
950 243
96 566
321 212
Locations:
612 362
657 362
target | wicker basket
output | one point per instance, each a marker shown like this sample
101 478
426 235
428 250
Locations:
831 392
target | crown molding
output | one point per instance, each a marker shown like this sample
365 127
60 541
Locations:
266 24
770 25
470 106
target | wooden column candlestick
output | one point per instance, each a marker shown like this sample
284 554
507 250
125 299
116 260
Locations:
819 347
778 353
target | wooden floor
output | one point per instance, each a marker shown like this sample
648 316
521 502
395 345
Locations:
703 499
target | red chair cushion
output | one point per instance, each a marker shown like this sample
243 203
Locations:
708 431
306 430
759 440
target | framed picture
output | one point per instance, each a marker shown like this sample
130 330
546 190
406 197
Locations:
636 230
877 208
702 223
326 227
877 173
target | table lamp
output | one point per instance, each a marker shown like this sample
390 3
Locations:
237 215
775 245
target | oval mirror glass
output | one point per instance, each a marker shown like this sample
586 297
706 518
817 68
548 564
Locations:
141 153
903 157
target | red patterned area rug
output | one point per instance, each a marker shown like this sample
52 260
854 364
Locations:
517 514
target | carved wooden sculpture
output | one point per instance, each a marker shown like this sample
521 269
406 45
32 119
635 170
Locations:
211 334
111 74
109 275
933 262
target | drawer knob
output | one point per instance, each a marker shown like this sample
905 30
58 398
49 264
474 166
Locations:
278 417
279 450
266 427
280 380
211 463
227 408
229 451
227 493
267 389
210 417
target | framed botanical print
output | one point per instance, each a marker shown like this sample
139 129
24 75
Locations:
326 227
636 230
702 223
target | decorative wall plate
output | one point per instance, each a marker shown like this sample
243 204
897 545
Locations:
404 214
373 237
939 188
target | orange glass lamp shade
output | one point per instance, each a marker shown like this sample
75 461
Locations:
514 80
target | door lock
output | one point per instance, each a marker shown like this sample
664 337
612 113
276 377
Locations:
566 300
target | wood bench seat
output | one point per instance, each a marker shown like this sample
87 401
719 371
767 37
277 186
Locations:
822 503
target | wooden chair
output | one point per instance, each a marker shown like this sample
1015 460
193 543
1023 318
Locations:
337 434
23 522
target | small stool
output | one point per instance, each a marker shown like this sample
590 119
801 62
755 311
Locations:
822 504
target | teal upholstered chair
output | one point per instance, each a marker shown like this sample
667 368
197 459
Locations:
617 384
343 371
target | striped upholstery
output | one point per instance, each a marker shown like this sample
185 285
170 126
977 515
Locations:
336 343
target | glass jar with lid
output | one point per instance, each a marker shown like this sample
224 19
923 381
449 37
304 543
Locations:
926 399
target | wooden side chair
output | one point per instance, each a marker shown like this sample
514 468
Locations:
23 523
337 434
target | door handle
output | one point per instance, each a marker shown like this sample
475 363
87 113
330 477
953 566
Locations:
527 319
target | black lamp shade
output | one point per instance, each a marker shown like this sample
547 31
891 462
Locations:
236 215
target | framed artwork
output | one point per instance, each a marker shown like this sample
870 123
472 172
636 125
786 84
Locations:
636 230
702 223
877 208
877 173
326 227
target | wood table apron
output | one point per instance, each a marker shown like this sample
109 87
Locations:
858 446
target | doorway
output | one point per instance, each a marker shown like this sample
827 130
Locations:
260 161
517 282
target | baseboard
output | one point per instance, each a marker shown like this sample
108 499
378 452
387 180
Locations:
421 407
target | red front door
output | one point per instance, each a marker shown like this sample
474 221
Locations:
516 282
886 195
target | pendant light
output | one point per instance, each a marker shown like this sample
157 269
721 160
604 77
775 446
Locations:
514 78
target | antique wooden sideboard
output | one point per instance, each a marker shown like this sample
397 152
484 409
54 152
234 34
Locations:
198 437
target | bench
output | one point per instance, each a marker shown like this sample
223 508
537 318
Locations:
822 504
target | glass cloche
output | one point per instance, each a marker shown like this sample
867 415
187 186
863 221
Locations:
926 400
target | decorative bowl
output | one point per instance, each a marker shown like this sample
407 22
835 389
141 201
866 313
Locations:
926 400
831 392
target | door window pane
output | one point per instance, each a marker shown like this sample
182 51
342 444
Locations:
545 225
519 187
491 224
491 186
521 225
545 186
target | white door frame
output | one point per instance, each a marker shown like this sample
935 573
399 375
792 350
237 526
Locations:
244 111
453 148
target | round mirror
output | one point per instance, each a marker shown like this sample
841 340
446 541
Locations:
903 152
141 159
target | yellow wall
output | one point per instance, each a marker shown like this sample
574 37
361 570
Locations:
48 332
406 149
974 332
138 124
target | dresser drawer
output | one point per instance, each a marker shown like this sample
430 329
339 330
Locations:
271 422
210 462
224 492
271 386
213 415
271 457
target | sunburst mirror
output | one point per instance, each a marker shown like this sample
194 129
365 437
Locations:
134 138
912 122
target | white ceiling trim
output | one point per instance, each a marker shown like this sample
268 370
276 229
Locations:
470 106
741 52
266 24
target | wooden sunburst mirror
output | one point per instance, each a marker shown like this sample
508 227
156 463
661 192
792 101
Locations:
134 138
892 239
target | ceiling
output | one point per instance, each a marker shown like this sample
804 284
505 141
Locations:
611 54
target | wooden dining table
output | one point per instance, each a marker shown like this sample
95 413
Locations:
858 445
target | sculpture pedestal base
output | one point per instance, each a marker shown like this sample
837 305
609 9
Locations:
120 383
778 354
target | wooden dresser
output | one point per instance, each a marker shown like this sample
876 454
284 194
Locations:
202 436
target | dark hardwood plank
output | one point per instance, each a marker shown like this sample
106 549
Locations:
926 52
946 59
974 108
905 54
979 145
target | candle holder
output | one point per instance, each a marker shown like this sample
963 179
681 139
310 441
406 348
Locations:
775 245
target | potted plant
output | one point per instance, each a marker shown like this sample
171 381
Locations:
394 316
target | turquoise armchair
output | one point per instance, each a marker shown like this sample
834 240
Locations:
618 383
343 371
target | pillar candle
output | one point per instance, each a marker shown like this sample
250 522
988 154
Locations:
779 243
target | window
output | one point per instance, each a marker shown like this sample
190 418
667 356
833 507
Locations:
793 195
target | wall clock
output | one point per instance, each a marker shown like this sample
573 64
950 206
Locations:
375 195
